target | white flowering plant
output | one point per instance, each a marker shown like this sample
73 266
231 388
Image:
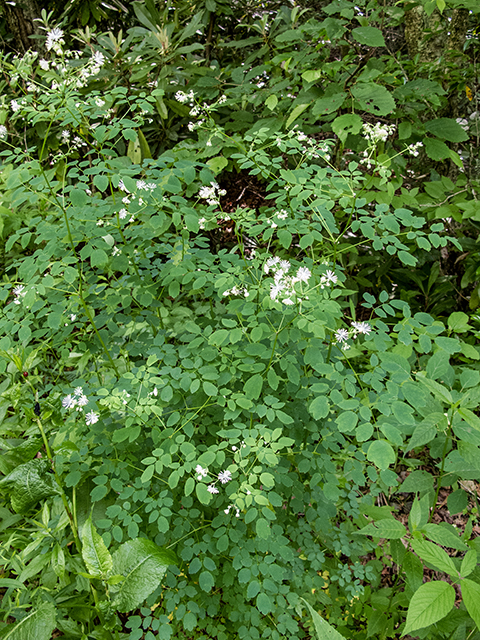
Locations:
228 413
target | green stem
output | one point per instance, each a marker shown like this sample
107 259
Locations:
63 496
440 477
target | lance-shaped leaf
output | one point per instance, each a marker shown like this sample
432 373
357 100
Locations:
471 599
324 630
95 554
143 564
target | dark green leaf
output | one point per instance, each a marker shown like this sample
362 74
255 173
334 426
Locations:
143 564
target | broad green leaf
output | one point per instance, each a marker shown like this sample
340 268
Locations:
370 36
471 599
101 182
444 536
457 501
95 554
435 555
387 528
429 604
36 625
209 388
202 492
450 345
299 109
253 589
143 564
329 103
347 421
348 123
381 453
447 129
253 387
439 391
28 483
98 258
324 630
469 563
206 581
311 75
319 407
404 130
271 102
264 604
458 322
374 98
436 149
263 528
416 481
217 164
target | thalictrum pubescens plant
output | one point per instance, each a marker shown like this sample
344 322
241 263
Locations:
195 432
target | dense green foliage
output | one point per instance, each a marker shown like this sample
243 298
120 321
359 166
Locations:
237 325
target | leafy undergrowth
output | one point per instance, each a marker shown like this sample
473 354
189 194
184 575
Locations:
240 364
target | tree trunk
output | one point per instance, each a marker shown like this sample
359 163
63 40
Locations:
20 18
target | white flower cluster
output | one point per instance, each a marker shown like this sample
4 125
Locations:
3 132
19 293
342 335
377 132
309 146
183 97
149 187
283 287
237 291
77 401
55 40
212 193
223 478
327 279
146 186
413 149
231 506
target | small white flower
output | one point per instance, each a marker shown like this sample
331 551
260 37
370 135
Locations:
99 102
3 132
44 64
65 136
15 106
328 278
201 471
78 391
68 402
91 418
361 327
82 401
73 317
224 476
303 274
122 214
341 335
55 40
212 489
98 59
